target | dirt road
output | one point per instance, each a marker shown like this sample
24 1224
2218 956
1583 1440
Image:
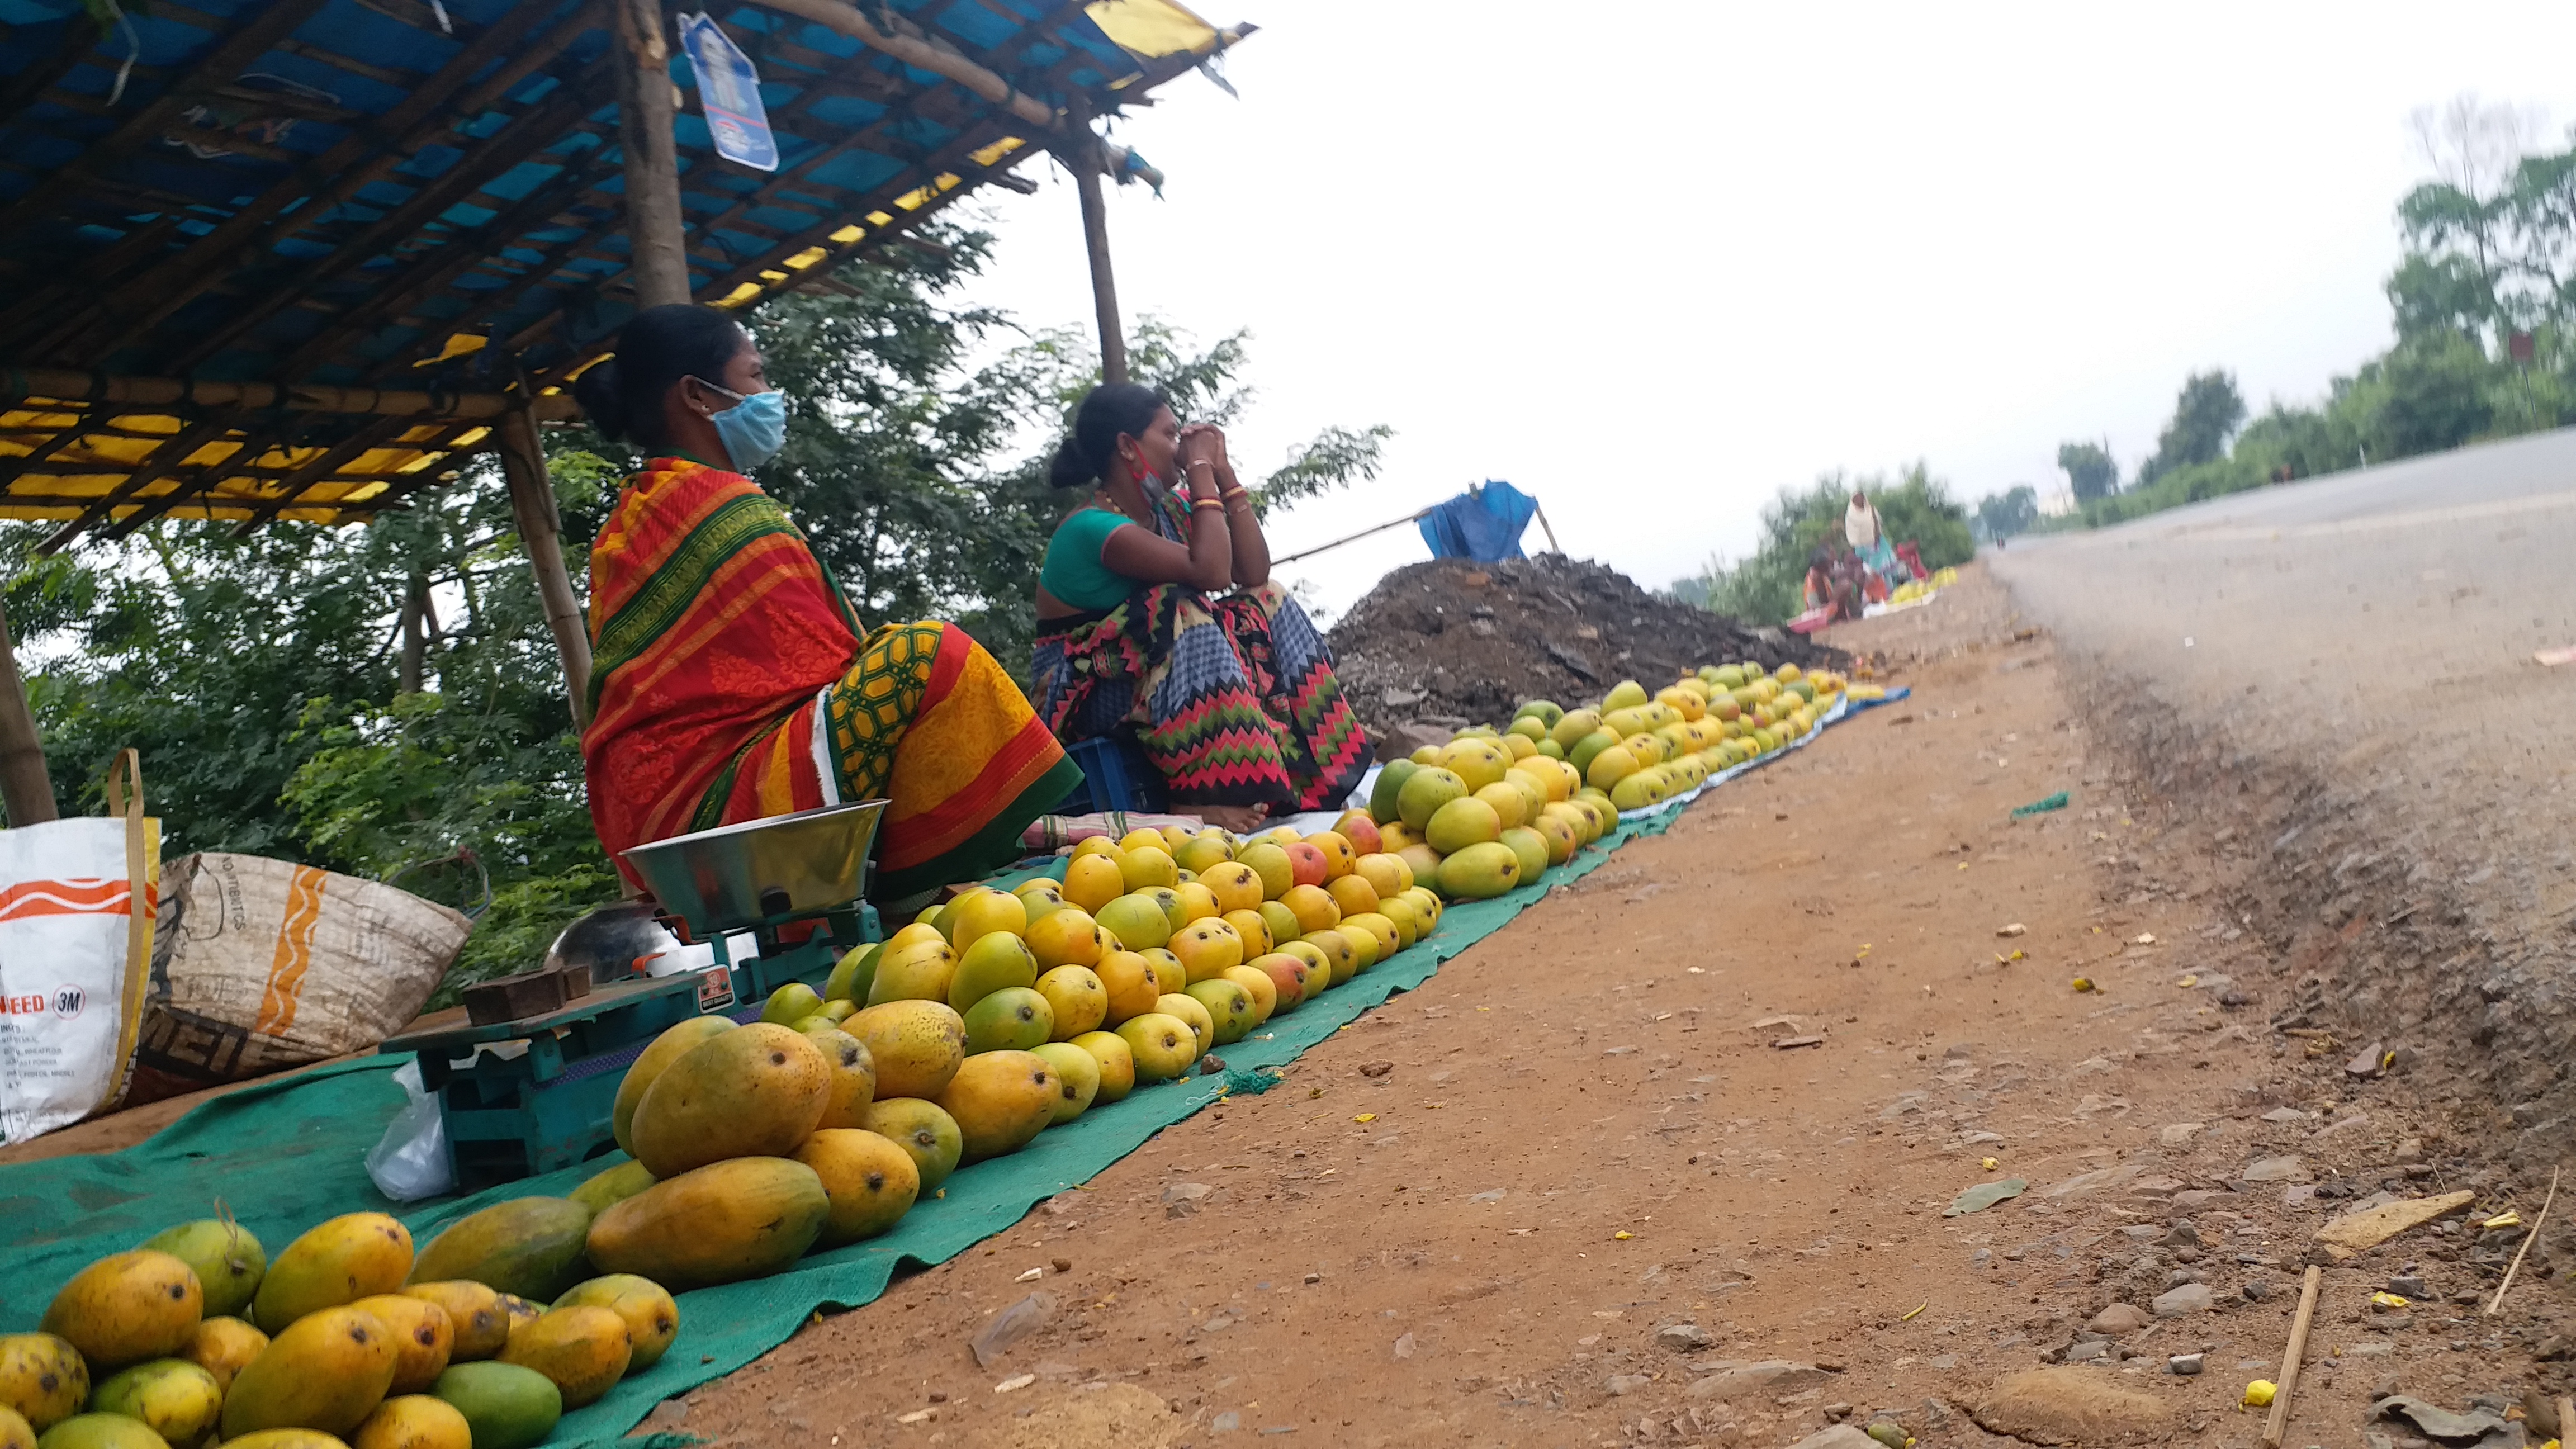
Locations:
1580 1190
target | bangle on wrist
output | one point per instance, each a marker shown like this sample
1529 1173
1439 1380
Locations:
1198 503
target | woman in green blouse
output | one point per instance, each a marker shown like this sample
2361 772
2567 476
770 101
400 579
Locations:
1157 618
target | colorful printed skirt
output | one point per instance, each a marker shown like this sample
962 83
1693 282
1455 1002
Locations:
928 721
1233 700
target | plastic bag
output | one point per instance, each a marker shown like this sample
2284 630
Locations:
76 922
410 1161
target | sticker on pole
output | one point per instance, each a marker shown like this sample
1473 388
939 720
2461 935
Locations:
729 92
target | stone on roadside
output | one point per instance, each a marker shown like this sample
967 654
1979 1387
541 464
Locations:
2187 1365
1618 1385
2286 1168
1839 1436
2367 1063
2189 1298
1727 1378
2071 1406
2120 1318
2176 1134
1682 1337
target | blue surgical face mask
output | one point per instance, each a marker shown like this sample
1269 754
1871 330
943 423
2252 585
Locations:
753 429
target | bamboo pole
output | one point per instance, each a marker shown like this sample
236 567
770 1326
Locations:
921 50
26 791
532 504
1352 538
2279 1422
647 110
1083 155
2497 1305
71 386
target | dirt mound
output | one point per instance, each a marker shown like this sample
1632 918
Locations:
1450 642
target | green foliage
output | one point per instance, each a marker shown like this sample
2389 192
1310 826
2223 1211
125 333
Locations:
2004 515
1767 587
2206 415
2090 469
262 678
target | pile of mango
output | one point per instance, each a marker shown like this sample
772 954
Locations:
1492 808
349 1340
965 1034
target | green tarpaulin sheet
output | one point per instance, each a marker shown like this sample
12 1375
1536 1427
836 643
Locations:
285 1155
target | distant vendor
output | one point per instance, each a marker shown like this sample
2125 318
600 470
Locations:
1869 541
1157 617
730 678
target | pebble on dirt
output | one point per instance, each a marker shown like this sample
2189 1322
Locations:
2185 1364
2189 1298
1682 1337
2120 1318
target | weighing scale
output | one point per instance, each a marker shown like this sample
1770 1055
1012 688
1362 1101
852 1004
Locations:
532 1095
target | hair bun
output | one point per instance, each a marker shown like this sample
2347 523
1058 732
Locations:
1070 468
602 399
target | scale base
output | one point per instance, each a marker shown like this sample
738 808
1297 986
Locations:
520 1098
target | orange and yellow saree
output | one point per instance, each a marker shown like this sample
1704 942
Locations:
730 681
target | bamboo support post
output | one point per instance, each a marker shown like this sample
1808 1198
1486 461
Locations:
2279 1422
1547 528
1083 155
26 791
532 504
2496 1304
647 111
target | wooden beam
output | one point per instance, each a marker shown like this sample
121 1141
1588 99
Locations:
435 269
267 24
292 486
80 32
1083 155
921 50
164 458
26 791
532 505
320 182
647 110
530 133
68 386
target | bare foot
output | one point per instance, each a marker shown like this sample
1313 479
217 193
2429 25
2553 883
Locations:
1240 819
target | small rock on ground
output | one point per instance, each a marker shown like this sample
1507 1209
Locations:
2120 1318
2189 1298
2071 1406
1840 1436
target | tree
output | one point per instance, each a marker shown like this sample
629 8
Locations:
2090 470
2002 515
2206 415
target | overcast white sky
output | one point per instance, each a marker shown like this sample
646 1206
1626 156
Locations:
1651 270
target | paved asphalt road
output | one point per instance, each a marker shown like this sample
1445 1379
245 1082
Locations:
2372 632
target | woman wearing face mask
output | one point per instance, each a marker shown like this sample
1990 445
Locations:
1157 616
731 680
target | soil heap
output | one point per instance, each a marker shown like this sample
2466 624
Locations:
1451 642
